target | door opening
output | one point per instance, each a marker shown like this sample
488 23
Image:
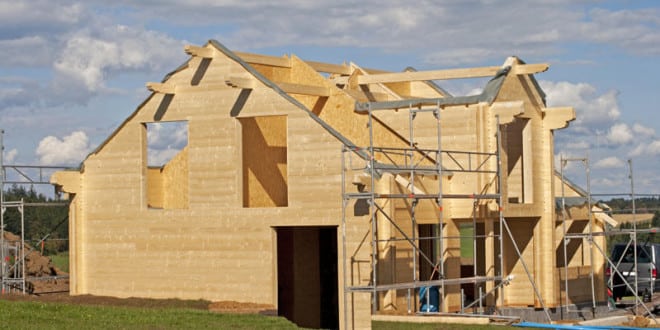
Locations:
307 276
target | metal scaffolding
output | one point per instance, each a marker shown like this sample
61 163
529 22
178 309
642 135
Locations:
13 251
407 166
593 245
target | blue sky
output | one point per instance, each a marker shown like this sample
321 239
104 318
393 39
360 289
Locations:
72 71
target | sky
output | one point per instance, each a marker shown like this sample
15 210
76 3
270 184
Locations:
72 71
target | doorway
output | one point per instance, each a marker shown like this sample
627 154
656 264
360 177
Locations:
307 279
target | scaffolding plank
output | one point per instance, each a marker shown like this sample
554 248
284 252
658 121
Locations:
419 284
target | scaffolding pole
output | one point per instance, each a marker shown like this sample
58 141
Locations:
589 237
411 164
13 276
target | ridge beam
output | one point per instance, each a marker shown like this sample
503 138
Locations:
441 74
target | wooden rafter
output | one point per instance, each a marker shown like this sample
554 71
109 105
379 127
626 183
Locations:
441 74
283 62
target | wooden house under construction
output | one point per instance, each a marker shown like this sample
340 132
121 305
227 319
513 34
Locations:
333 193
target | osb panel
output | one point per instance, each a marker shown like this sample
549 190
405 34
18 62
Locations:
154 187
265 175
175 181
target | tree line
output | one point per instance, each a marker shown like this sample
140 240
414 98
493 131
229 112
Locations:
49 224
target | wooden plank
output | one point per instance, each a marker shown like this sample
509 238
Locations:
283 62
422 75
303 89
530 68
330 68
441 74
556 118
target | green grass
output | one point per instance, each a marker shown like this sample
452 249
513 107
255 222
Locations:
61 261
45 315
38 315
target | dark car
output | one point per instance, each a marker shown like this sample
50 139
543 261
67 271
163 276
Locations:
623 257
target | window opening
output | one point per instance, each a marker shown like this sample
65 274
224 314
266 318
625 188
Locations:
167 164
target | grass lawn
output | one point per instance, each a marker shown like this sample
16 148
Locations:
48 315
39 315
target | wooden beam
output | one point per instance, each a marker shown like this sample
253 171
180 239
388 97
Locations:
556 118
161 88
441 74
241 82
529 68
283 62
304 89
199 51
422 75
329 68
507 110
362 96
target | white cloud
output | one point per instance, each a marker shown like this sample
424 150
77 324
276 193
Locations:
654 148
620 134
642 130
580 145
70 150
614 182
92 58
609 162
8 157
635 31
592 108
165 140
12 51
17 12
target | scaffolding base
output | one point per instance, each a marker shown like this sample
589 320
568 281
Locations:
579 312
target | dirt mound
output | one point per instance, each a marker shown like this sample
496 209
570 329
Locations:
36 264
40 273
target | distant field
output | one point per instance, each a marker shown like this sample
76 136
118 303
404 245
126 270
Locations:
61 261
